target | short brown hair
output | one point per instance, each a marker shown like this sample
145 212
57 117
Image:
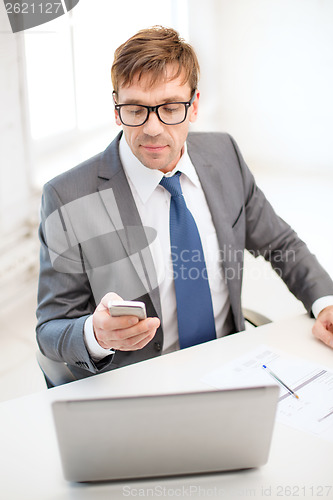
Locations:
149 52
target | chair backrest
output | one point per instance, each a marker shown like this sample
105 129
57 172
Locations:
55 372
255 318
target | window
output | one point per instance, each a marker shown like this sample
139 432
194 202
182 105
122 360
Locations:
68 65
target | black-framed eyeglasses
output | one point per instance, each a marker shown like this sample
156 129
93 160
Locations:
170 113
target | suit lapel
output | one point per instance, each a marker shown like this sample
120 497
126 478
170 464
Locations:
117 198
212 184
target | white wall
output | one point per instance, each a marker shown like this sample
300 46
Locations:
14 166
267 78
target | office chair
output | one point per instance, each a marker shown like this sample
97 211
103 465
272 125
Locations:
57 373
255 318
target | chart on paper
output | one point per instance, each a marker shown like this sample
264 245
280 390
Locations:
313 384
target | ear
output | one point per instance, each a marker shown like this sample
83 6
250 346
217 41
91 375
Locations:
194 108
116 117
116 114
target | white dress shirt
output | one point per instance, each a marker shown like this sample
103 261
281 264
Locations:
153 203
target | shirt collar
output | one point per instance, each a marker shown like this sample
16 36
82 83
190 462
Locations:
145 180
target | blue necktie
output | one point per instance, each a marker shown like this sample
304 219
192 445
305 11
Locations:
194 303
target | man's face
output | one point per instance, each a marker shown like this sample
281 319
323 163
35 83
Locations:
156 145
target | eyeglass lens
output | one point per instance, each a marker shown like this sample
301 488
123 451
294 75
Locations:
170 114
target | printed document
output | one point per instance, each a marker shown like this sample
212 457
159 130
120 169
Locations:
313 384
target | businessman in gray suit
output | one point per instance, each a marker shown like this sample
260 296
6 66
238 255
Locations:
106 232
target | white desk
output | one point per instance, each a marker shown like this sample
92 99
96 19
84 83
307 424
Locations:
300 464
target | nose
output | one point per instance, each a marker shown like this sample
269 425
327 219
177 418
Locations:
153 125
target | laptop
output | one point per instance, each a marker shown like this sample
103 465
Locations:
166 434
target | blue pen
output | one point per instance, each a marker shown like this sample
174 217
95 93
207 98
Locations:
275 377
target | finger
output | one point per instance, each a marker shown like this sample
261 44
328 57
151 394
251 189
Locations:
326 318
103 305
143 327
108 324
322 333
144 341
131 338
135 343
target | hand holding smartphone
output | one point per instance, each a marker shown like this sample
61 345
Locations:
120 334
127 308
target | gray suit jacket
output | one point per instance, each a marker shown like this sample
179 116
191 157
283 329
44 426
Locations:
92 242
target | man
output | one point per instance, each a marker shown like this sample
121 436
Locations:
118 227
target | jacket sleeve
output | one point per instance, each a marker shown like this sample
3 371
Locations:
65 299
270 236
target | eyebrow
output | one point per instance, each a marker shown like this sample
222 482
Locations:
166 101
